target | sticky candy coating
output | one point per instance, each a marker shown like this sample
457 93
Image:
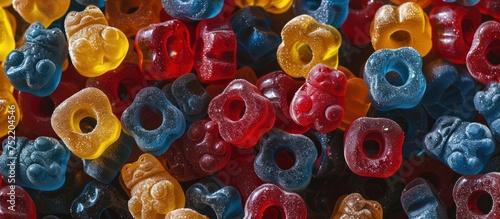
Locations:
291 205
297 177
39 164
357 25
41 11
154 192
420 200
24 206
163 50
257 43
406 25
189 95
490 8
73 122
320 102
242 131
36 67
144 13
329 12
389 137
306 43
469 188
271 6
482 59
402 91
422 3
465 147
88 33
7 42
453 29
157 140
96 198
357 100
355 206
193 10
225 202
183 213
450 91
487 103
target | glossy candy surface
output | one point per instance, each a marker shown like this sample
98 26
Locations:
131 16
36 67
290 205
225 202
464 146
331 12
468 189
39 164
271 6
88 32
154 138
487 104
7 42
359 18
193 10
182 213
483 58
38 10
16 203
307 43
355 206
420 200
86 124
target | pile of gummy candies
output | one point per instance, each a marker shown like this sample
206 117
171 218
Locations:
250 109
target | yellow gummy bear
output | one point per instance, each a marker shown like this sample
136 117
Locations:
86 124
184 213
404 26
154 192
7 42
94 47
43 11
355 206
306 43
271 6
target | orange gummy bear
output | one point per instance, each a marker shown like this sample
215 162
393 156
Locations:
355 206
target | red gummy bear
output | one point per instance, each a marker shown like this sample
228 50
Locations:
290 205
468 189
483 59
279 88
320 102
215 57
164 50
242 113
16 203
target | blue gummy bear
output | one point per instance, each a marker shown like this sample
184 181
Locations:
155 141
188 94
464 2
414 122
465 147
387 92
36 67
224 201
106 167
331 12
38 164
421 201
98 3
449 92
98 200
487 103
297 177
193 10
257 43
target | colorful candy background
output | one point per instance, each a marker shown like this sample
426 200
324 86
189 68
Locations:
249 109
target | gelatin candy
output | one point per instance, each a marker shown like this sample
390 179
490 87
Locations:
329 12
268 197
491 8
98 3
184 213
330 160
271 6
357 100
225 202
131 16
240 174
486 102
16 203
470 188
359 18
422 3
193 10
355 206
483 57
41 11
7 42
464 2
420 200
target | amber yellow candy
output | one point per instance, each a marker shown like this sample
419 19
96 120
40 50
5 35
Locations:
306 43
43 11
271 6
422 3
355 206
94 47
131 15
154 192
7 42
184 213
406 25
5 3
357 102
86 124
10 113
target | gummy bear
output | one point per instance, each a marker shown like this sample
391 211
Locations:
16 203
331 12
419 200
395 78
225 201
389 138
184 213
154 192
131 16
39 164
463 146
307 43
193 10
271 6
86 124
154 138
36 67
97 199
298 176
483 57
406 25
164 50
320 102
7 42
486 103
359 18
94 47
269 196
40 10
355 206
242 113
470 188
